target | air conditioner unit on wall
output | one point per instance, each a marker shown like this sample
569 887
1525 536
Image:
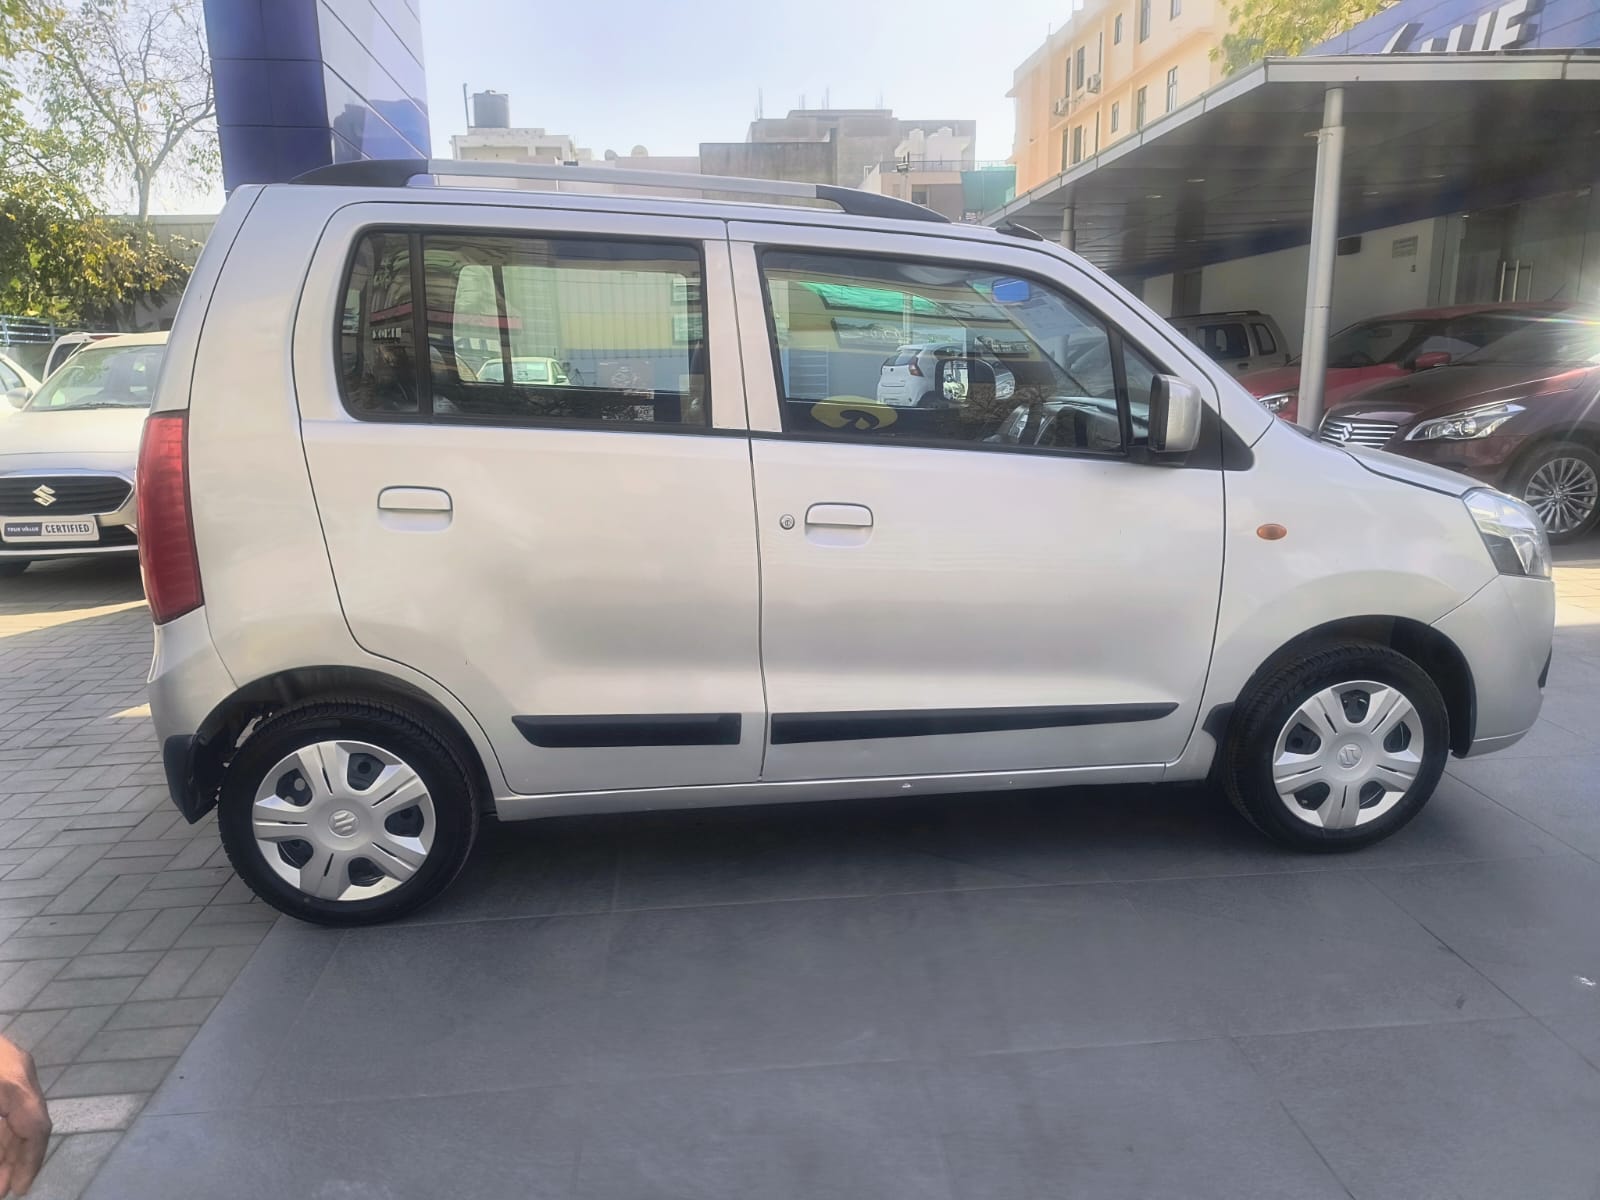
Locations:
1059 108
1092 84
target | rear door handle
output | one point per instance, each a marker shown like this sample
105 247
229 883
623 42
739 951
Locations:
414 499
847 516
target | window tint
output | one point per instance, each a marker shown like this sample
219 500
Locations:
1220 341
1264 338
1008 362
529 329
377 333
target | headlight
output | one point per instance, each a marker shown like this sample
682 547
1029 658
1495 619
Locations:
1512 532
1471 423
1278 401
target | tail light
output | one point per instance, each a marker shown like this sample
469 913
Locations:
914 369
166 530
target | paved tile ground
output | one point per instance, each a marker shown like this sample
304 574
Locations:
120 925
1113 993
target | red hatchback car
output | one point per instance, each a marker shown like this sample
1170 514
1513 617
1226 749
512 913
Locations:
1522 414
1374 351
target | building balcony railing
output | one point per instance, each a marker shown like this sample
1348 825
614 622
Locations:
914 164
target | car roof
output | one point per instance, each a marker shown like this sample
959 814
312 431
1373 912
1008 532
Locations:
127 339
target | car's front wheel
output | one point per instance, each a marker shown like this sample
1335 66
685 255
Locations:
1338 749
346 812
1561 483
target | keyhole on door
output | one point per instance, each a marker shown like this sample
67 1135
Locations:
786 521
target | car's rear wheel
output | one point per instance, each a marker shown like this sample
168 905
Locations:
10 568
1562 484
1338 749
346 812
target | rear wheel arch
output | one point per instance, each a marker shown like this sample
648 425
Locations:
231 723
1424 645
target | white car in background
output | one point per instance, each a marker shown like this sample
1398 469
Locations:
909 376
67 458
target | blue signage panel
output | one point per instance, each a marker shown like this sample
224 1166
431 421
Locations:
305 83
1462 26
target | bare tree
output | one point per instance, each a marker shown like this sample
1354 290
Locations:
133 78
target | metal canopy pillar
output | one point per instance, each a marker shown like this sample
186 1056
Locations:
1319 275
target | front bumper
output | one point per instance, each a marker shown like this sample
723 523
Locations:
117 527
1504 631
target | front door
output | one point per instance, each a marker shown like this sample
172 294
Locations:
535 487
1001 580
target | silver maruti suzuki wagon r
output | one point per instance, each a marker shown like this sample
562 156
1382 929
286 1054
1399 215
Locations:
459 501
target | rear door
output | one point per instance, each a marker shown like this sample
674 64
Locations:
1001 582
573 555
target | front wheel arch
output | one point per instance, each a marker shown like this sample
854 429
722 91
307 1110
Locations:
1424 645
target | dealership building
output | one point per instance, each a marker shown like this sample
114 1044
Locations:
1470 135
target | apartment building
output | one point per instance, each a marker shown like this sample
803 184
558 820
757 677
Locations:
1112 68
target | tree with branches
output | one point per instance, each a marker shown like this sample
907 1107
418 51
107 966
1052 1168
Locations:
133 78
1260 28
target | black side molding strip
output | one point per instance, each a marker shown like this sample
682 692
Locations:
788 728
649 729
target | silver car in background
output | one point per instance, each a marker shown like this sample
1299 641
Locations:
67 458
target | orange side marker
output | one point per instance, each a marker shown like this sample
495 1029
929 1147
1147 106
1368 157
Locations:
1271 533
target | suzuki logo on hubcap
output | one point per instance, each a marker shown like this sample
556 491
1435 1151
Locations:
1349 755
343 822
44 494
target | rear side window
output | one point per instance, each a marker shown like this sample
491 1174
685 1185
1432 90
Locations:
527 330
1223 340
1264 338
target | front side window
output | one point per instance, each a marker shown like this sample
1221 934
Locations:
1172 89
105 377
1264 339
523 329
984 359
9 379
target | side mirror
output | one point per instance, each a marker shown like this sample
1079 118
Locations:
956 377
19 396
1430 359
1175 408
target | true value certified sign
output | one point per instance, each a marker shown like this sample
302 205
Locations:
1507 27
1471 26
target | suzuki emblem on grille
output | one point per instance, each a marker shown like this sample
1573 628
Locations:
1344 433
44 494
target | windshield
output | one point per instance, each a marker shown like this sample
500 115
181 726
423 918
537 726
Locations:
1552 342
1374 342
112 377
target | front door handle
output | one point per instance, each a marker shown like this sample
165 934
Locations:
414 509
845 516
414 499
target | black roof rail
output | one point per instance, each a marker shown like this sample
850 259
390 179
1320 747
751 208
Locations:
399 172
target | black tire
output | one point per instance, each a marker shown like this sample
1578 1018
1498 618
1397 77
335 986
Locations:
10 568
1247 756
1522 476
441 770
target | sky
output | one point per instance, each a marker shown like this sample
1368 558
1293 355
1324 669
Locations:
618 73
